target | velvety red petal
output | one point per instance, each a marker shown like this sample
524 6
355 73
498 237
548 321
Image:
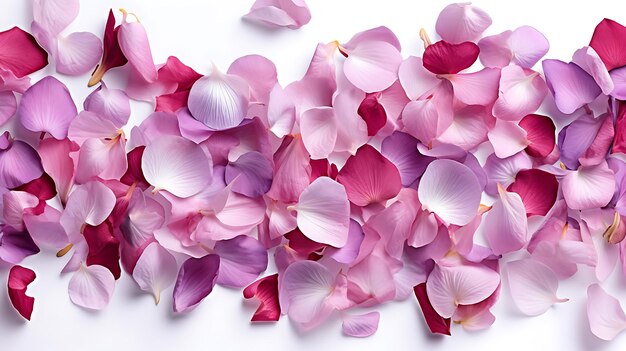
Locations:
609 41
301 244
112 55
445 58
266 291
20 53
42 187
540 133
172 102
134 174
436 323
104 248
373 113
19 278
538 190
323 168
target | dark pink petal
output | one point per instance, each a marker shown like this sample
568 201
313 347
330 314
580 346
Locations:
195 281
540 134
172 102
292 14
301 244
104 248
436 323
20 53
19 162
538 190
19 279
446 58
175 71
266 291
369 177
251 174
609 41
242 259
401 149
373 113
571 86
133 41
134 174
323 168
47 106
43 188
112 55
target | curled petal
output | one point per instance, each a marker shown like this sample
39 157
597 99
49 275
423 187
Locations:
533 286
19 279
91 287
571 86
461 22
195 281
538 190
133 41
401 149
587 58
504 171
266 291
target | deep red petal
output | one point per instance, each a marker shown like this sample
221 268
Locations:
42 187
301 244
176 71
436 323
323 168
619 144
445 58
609 41
134 174
373 113
112 55
20 53
104 248
172 102
538 190
266 291
540 132
19 278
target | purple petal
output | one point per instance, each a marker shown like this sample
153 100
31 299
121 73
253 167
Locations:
78 53
112 104
195 281
401 149
361 326
15 245
251 174
19 162
571 86
8 106
242 259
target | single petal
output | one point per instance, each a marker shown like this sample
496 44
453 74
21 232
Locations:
401 149
251 174
443 57
177 165
303 290
360 326
533 286
540 135
259 72
90 203
468 129
373 113
349 252
461 22
47 106
101 158
605 313
15 246
14 205
571 86
451 191
266 291
55 15
436 323
504 171
608 41
292 170
428 119
8 106
20 53
78 53
46 229
372 66
538 190
506 226
589 187
319 131
133 41
528 46
618 76
19 162
19 279
281 112
91 287
324 212
112 104
495 50
370 281
415 79
520 93
155 270
292 14
195 281
477 88
369 177
103 247
587 58
56 161
242 259
112 55
144 216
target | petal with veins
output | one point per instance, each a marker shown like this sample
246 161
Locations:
533 286
605 313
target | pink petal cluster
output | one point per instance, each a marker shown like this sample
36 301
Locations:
366 180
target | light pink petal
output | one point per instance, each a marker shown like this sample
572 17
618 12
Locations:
495 50
8 106
88 125
99 158
281 221
360 326
78 53
218 100
618 76
281 112
428 119
472 317
424 229
112 104
47 106
461 22
292 14
478 88
56 161
46 230
349 252
324 212
571 86
351 128
450 286
415 79
605 313
145 215
506 227
92 287
259 72
90 203
607 254
55 15
195 281
177 165
533 286
370 281
292 170
468 128
521 93
528 46
451 191
14 204
304 288
372 66
507 139
133 40
503 171
589 187
319 131
587 59
155 270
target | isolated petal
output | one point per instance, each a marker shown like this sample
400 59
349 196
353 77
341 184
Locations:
506 227
360 326
20 53
155 270
589 187
319 131
242 259
533 286
91 287
571 86
538 190
195 281
19 279
608 41
133 41
605 313
266 291
461 22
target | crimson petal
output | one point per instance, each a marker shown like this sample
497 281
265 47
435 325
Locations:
373 113
19 278
445 58
112 55
266 291
538 190
436 323
20 53
609 41
540 133
104 248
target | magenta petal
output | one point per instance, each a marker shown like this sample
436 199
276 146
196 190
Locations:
133 40
56 161
373 113
292 14
195 281
47 106
20 53
436 323
446 58
251 174
360 326
571 86
242 259
609 41
318 127
538 190
19 279
401 149
19 162
461 22
540 135
112 104
266 291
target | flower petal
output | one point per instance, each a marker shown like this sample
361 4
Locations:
533 286
19 279
91 287
266 291
477 88
155 270
589 187
608 41
372 66
506 226
520 93
587 58
133 41
436 323
303 290
461 22
90 203
528 46
19 162
251 174
605 313
242 259
360 326
540 135
55 15
538 190
445 58
20 53
112 104
401 149
319 131
281 112
8 106
571 86
195 281
78 53
292 14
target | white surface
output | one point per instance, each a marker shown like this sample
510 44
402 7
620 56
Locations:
198 31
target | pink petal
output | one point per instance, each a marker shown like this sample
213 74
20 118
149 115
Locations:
46 229
14 206
56 161
533 286
506 226
259 72
461 22
324 212
372 66
47 106
507 139
90 203
415 79
587 59
468 128
425 120
292 14
451 191
144 216
112 104
8 106
292 170
55 15
605 313
619 78
538 190
218 100
589 187
89 125
265 290
177 165
495 50
98 158
445 58
473 318
521 93
319 131
608 42
503 171
281 112
155 270
435 322
91 287
20 53
540 135
352 129
450 286
78 53
528 46
369 177
478 88
401 149
360 326
242 259
251 174
133 41
370 281
303 290
195 281
19 279
571 86
349 252
19 162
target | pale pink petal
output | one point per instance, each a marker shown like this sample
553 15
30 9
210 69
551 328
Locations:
8 106
370 281
461 22
351 128
507 139
112 104
506 226
78 53
495 50
92 287
478 88
618 77
521 93
589 187
99 158
292 14
528 46
349 252
259 72
145 215
88 125
533 286
360 326
55 15
415 79
424 229
468 129
155 270
292 170
319 131
605 313
372 66
177 165
56 161
195 281
14 205
46 230
324 212
451 191
473 318
281 112
587 58
503 171
133 40
90 203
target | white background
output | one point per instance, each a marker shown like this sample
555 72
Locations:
201 31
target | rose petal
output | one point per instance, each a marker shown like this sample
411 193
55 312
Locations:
538 190
401 149
372 66
78 53
266 291
292 14
242 259
19 279
533 286
91 287
47 106
520 93
436 323
608 41
133 41
506 227
195 281
589 187
19 162
319 131
571 86
605 313
112 104
360 326
461 22
155 270
20 53
446 58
